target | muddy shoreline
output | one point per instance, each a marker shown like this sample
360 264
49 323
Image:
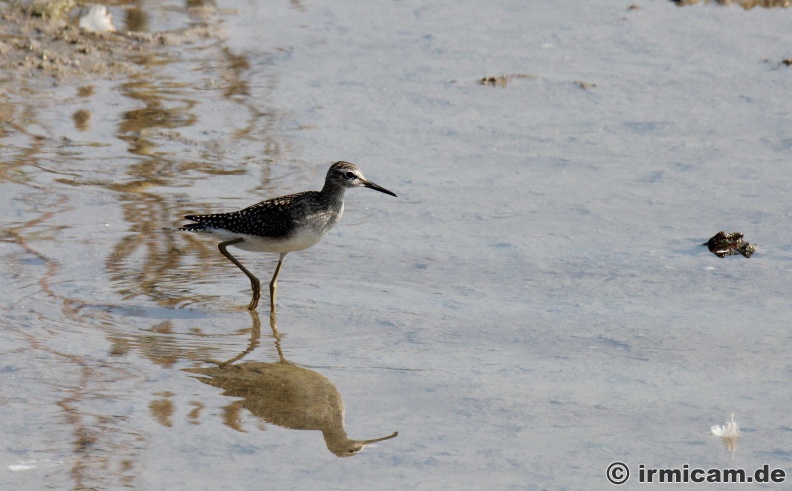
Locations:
40 49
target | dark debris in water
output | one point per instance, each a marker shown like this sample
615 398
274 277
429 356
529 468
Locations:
503 80
725 244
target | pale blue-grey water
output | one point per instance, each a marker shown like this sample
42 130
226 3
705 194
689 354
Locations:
533 306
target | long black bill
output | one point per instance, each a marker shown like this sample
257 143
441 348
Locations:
376 187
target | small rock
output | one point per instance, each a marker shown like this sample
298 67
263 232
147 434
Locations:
725 244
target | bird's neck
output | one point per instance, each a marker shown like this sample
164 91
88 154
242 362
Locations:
333 194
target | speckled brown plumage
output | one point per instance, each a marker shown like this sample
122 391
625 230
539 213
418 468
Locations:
274 218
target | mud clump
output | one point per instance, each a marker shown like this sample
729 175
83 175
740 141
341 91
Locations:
725 244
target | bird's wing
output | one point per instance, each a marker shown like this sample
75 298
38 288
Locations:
265 219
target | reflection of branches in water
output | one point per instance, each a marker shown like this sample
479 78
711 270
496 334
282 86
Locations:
155 114
102 449
236 87
144 262
284 394
96 443
140 261
12 117
161 345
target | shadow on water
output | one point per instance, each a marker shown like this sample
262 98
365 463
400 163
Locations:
282 393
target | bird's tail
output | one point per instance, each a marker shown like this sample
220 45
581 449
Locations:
194 227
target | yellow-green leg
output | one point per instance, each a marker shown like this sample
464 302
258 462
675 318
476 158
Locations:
274 282
254 282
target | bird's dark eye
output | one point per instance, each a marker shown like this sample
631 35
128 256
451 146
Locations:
350 175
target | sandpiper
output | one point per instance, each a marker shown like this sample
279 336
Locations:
283 225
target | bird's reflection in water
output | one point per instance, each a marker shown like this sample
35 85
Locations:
284 394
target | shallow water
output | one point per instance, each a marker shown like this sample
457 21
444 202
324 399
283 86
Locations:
532 307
